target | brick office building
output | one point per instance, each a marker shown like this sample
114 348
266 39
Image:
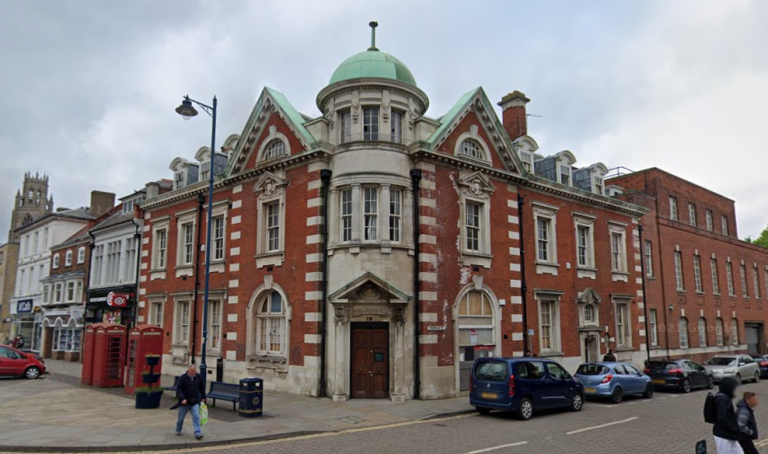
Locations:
415 270
705 287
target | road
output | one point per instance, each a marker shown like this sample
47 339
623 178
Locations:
667 423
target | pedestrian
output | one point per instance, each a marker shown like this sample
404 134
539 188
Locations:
726 428
527 353
609 357
745 417
191 392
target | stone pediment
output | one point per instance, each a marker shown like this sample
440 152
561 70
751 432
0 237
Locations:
368 288
476 184
269 184
588 296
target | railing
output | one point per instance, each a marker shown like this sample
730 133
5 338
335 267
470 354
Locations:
381 136
617 172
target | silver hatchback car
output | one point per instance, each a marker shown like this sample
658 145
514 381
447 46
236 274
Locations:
738 367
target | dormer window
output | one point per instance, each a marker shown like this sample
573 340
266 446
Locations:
371 123
178 180
128 206
598 185
527 159
565 174
471 148
275 148
204 167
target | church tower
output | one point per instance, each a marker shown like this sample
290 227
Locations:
32 202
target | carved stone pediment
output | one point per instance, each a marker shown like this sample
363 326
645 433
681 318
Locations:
369 295
269 184
476 184
588 296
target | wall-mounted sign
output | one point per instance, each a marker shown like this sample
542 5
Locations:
530 332
435 328
117 299
24 306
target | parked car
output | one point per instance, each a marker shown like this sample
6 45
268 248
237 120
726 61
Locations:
762 362
614 381
522 386
15 363
683 375
740 367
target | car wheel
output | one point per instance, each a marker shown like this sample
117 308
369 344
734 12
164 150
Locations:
738 379
686 388
526 409
710 383
32 373
577 402
648 391
483 410
616 395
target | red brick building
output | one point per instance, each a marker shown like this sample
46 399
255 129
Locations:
705 287
374 252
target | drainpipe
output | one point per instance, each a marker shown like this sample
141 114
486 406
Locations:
523 285
137 237
325 177
645 298
415 179
87 285
200 204
665 308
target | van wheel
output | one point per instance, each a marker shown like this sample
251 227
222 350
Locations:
616 395
526 409
577 402
648 391
483 410
32 373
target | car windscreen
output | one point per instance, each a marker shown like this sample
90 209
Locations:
722 361
665 365
491 371
591 369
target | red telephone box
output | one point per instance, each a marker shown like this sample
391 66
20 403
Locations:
87 371
108 355
143 340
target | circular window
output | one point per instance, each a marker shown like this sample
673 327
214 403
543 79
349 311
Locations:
275 148
471 148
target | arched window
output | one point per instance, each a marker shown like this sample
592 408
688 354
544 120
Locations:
275 148
719 331
683 332
589 313
471 148
37 200
271 331
31 195
476 324
734 332
702 332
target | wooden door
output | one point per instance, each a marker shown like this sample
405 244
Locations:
370 362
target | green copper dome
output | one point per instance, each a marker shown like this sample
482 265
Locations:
373 63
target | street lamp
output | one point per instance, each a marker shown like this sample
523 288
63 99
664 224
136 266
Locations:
187 110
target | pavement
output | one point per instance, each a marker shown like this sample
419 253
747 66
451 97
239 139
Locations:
58 414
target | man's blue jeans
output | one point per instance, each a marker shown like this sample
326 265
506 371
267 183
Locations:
195 409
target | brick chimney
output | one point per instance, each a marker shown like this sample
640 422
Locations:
513 114
101 202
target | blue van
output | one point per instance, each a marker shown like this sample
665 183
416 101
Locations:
522 386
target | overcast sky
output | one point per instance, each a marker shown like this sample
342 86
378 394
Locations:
88 88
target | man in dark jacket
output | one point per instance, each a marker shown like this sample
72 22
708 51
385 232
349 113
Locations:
745 417
609 357
190 391
726 428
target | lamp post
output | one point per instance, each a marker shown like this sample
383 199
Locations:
187 111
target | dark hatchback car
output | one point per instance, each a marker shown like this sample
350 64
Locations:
682 375
762 361
522 386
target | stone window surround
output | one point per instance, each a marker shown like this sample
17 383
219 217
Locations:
151 301
554 297
621 274
220 209
273 135
221 297
183 218
269 189
625 300
585 220
472 134
354 100
254 360
385 184
543 210
179 298
158 272
477 188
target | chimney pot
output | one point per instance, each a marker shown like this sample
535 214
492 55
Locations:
513 114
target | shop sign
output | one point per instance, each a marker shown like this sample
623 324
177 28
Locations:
473 336
117 299
24 306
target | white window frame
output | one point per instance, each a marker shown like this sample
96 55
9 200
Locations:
582 223
589 309
275 149
476 188
734 331
186 230
719 332
269 190
218 237
715 277
271 137
679 276
692 215
683 331
80 255
653 325
702 332
710 221
346 210
697 273
396 215
156 308
68 258
673 215
623 321
598 184
554 323
473 136
215 321
648 256
273 235
473 227
397 126
618 242
58 293
551 233
729 276
272 319
756 281
744 283
159 246
345 126
724 224
56 259
178 321
370 204
564 174
371 118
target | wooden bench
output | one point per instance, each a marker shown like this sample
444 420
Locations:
224 391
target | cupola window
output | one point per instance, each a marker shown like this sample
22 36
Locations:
371 123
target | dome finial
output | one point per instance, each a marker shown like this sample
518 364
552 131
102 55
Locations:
373 24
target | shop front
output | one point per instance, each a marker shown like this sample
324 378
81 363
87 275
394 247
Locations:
111 305
27 322
63 333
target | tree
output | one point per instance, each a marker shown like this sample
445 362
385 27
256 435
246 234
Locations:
762 240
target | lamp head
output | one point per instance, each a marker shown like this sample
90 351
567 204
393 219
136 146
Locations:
186 109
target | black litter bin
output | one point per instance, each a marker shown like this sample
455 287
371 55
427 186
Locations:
251 397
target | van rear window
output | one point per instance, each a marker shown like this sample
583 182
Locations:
491 371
